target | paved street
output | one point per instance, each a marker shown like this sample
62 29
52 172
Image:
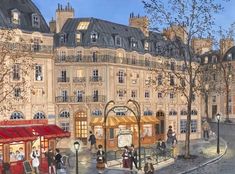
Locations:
226 164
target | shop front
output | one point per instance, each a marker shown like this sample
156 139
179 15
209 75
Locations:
18 137
123 130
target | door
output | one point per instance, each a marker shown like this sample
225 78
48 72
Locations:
81 126
214 111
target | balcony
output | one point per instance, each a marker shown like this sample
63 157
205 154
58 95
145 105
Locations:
79 79
95 79
99 98
62 99
63 79
70 99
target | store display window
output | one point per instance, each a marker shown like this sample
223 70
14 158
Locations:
17 151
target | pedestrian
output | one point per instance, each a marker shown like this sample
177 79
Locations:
126 158
51 161
133 157
58 161
169 136
100 166
35 159
148 167
161 147
92 140
206 130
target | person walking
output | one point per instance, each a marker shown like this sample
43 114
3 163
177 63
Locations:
133 157
170 136
126 158
35 159
58 161
51 161
100 166
161 147
206 130
148 167
92 140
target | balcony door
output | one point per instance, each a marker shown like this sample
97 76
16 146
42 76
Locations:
81 131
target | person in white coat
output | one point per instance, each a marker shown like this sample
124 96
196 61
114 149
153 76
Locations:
35 159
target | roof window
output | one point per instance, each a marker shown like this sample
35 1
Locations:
83 25
35 20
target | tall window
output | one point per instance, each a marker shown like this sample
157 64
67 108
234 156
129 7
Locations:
17 92
133 43
159 95
79 56
63 76
39 115
146 94
121 77
133 93
118 40
78 38
15 18
62 56
171 95
38 73
16 116
35 21
64 94
159 79
94 57
16 72
95 75
64 126
172 80
146 46
79 96
95 95
94 37
65 114
183 127
147 62
194 126
36 44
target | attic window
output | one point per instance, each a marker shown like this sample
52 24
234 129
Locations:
35 20
133 43
63 38
118 41
94 37
229 57
146 46
83 25
78 38
15 16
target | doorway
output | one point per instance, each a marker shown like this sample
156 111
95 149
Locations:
81 126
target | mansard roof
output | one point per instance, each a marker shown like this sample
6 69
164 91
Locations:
26 8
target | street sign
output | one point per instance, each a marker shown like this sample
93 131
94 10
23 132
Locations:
120 109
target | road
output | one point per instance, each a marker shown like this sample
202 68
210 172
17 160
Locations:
227 164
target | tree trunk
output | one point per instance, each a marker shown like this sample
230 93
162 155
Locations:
227 103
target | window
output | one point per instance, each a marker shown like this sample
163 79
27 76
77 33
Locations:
172 80
15 18
147 130
148 113
17 151
64 114
80 96
172 113
194 112
159 95
183 127
83 25
147 62
64 126
206 60
120 113
16 116
111 133
38 73
64 76
94 37
94 57
64 96
171 96
133 93
194 126
95 75
133 60
183 112
79 56
63 38
146 46
17 92
62 56
35 21
229 56
133 43
159 79
96 112
39 115
121 93
16 72
146 94
213 98
118 41
78 38
36 45
95 95
120 76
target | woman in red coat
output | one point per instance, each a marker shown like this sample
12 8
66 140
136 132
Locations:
126 158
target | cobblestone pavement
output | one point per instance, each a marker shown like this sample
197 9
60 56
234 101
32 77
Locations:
227 164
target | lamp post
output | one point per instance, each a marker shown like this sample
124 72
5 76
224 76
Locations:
218 146
76 147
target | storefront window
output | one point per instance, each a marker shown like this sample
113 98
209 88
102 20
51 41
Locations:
98 132
1 153
111 133
147 130
17 151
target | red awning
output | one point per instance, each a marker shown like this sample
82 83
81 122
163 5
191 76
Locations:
30 133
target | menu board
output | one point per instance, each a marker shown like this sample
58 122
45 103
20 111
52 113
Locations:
124 140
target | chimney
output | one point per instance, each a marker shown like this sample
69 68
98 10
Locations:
52 25
225 45
201 45
62 15
176 31
140 22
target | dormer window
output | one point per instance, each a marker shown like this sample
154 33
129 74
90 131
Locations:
118 41
78 38
146 46
63 38
15 18
229 57
35 20
94 37
133 43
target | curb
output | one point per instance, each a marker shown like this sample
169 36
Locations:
210 161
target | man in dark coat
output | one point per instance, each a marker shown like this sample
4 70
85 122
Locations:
161 147
133 157
51 161
92 140
148 167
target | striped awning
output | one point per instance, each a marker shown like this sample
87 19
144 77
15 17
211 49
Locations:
114 121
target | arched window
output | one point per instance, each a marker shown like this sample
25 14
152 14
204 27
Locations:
172 113
64 114
39 115
118 41
16 116
96 112
183 112
94 37
194 112
148 113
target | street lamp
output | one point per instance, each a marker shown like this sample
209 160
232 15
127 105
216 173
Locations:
218 119
76 147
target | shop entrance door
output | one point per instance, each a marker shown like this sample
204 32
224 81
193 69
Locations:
81 126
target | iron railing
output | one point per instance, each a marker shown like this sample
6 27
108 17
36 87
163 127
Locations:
80 99
79 79
63 79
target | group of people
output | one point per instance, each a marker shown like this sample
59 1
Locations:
18 155
54 160
129 156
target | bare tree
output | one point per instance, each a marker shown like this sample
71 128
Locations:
16 64
195 19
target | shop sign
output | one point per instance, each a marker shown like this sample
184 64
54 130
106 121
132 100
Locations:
120 109
22 122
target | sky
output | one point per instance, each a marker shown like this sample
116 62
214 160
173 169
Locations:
118 11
